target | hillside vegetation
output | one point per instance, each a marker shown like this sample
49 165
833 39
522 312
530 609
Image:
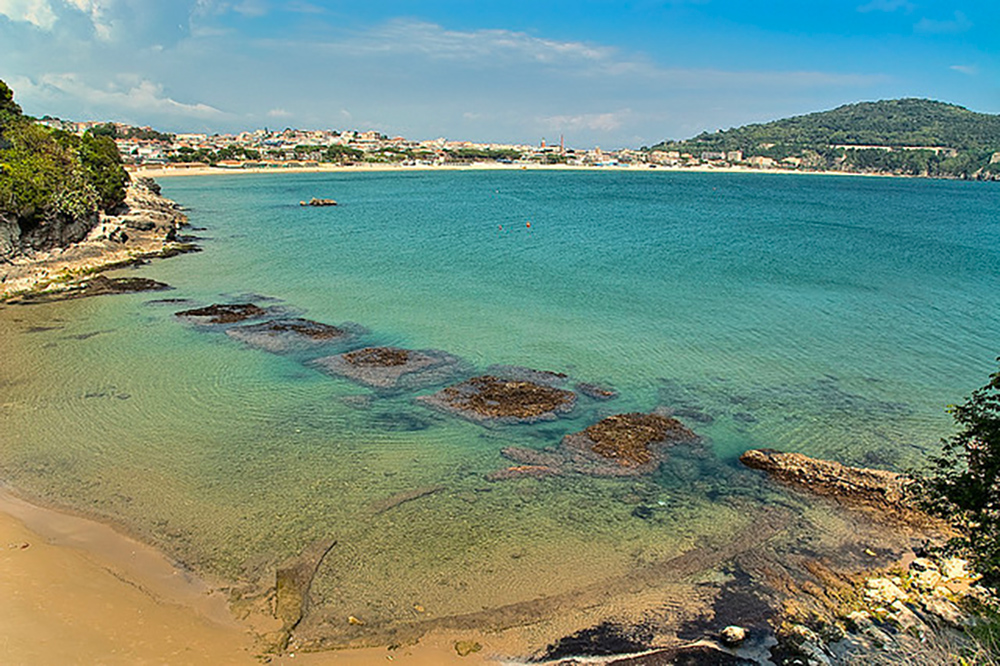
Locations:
911 136
50 178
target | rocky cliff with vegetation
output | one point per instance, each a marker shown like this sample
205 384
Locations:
53 185
68 207
903 136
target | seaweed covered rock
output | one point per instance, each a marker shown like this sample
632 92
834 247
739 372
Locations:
628 439
281 335
489 398
224 313
98 285
620 445
392 368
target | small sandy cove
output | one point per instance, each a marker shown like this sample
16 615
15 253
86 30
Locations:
75 591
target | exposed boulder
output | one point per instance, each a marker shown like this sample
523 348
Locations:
855 486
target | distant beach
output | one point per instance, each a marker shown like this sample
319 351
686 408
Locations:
207 170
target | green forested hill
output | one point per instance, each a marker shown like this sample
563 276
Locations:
819 138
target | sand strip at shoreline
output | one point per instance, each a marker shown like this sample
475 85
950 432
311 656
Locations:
170 172
75 591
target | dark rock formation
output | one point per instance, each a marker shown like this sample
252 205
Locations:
318 202
392 368
223 313
620 445
490 398
99 285
281 335
856 486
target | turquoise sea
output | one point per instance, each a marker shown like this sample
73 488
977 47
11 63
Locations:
834 316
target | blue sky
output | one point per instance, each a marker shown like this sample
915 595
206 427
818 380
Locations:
612 74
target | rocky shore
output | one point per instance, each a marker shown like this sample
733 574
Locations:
145 226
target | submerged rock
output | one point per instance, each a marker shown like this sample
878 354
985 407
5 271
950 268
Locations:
389 368
620 445
596 391
491 398
223 313
523 472
279 335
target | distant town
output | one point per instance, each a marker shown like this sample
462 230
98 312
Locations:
913 145
264 148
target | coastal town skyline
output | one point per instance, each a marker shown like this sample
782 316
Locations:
602 74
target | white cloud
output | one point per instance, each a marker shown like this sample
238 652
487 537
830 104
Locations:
36 12
45 13
971 70
134 94
278 113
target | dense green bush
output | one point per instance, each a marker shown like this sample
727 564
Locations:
964 484
47 174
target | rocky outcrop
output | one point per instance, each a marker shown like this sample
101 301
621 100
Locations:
318 202
98 285
44 256
854 486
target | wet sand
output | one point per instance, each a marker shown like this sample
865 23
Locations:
75 591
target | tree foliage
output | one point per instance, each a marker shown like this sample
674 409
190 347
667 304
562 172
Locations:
888 123
47 174
964 485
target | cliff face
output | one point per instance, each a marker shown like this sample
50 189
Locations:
145 225
19 239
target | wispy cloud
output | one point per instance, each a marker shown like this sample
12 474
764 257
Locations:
407 36
970 70
597 122
886 6
958 23
130 93
278 113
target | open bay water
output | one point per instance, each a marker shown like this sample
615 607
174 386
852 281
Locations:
833 316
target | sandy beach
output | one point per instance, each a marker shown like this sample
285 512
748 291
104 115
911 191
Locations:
76 591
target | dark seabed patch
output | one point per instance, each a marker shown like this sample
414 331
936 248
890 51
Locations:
223 313
284 335
621 445
491 399
393 368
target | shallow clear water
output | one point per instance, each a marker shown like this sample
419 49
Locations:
828 315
